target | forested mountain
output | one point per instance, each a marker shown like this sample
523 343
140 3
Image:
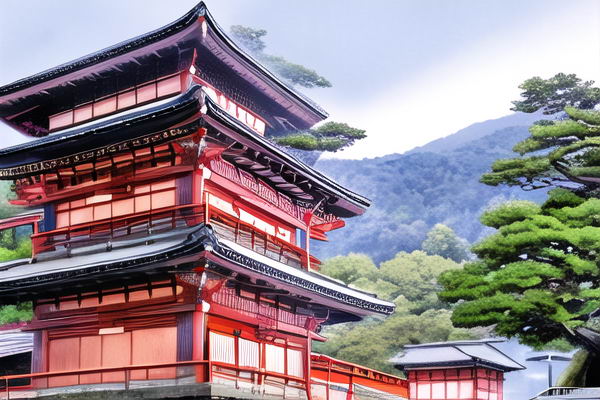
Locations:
412 192
476 131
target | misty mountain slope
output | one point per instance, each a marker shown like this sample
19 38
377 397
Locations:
412 192
477 131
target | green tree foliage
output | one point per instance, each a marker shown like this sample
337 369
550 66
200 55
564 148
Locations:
21 250
410 280
8 239
413 192
22 311
12 248
560 153
349 268
249 38
331 136
442 241
537 275
554 94
296 74
571 155
16 313
6 210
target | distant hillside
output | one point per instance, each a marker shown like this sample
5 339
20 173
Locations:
414 191
476 131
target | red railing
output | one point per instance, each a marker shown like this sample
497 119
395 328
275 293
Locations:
270 246
125 369
328 370
252 377
108 230
227 297
210 371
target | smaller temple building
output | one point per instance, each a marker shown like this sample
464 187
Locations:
15 353
466 370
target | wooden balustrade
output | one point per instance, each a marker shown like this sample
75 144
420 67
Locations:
205 371
213 371
268 245
109 230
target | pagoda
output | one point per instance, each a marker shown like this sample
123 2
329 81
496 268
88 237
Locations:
170 238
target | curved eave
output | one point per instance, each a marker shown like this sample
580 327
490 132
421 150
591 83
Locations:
185 28
105 54
260 69
78 273
356 203
320 290
456 364
40 155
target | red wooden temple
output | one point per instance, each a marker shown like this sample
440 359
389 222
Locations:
170 238
460 370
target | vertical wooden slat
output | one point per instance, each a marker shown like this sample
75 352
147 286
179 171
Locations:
38 359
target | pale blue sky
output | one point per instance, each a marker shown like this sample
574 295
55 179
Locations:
407 71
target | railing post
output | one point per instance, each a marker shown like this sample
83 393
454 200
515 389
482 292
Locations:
328 379
7 389
127 378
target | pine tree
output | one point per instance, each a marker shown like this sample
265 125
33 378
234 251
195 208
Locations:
538 276
564 152
331 136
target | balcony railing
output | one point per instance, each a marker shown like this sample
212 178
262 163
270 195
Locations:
205 371
263 312
267 245
109 231
257 381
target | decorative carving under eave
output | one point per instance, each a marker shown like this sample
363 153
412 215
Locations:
89 156
298 281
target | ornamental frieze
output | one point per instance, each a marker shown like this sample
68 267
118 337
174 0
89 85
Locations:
89 155
300 282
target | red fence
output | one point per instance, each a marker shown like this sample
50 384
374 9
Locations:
105 231
336 373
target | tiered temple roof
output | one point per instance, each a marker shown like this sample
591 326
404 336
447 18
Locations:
161 213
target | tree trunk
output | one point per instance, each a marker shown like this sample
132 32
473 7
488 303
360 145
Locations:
582 371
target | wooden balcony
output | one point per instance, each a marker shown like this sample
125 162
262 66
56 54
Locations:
108 232
267 245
